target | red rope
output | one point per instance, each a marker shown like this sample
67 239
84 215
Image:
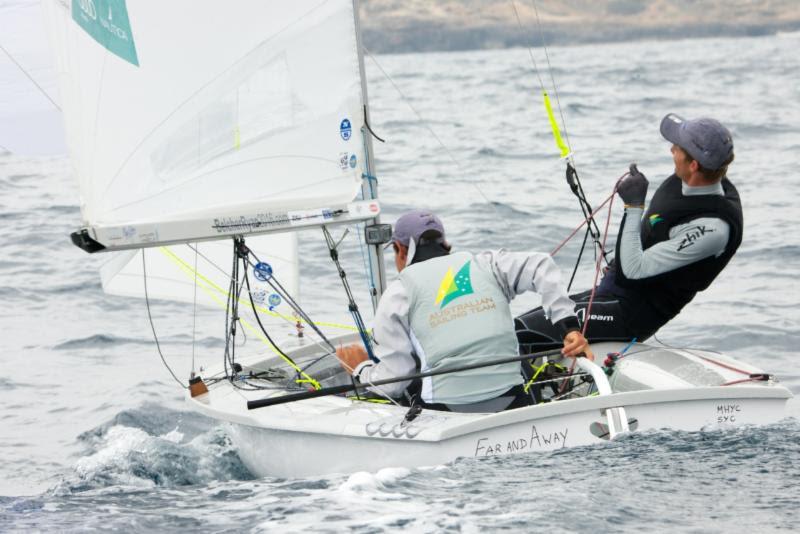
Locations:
732 382
586 220
726 366
590 217
598 267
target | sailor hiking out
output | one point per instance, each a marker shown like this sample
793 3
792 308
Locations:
691 230
449 310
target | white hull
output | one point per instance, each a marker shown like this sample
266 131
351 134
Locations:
339 435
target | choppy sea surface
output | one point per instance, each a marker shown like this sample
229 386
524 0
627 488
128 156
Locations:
94 434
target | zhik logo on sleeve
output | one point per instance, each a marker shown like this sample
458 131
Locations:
692 235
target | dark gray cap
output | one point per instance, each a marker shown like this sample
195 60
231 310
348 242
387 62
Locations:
413 224
706 140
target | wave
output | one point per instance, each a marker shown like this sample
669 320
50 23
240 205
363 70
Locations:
153 446
100 340
485 152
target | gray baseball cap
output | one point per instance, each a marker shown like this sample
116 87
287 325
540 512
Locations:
706 140
413 224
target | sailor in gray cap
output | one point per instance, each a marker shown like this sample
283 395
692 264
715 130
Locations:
691 230
449 309
707 143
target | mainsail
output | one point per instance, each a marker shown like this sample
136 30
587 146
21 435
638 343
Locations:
189 121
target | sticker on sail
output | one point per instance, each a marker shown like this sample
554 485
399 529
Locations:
262 271
345 129
119 235
106 21
353 161
364 208
310 216
274 300
344 160
259 295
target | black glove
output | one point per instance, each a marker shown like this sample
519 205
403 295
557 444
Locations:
633 189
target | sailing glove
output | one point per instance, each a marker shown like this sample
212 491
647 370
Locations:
633 189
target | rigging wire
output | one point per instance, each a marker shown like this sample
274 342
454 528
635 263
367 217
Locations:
566 149
152 326
210 285
300 373
353 307
362 247
578 261
278 288
752 376
552 77
584 221
529 47
242 251
27 75
194 313
599 264
444 147
231 318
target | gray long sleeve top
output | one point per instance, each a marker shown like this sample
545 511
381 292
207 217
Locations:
689 242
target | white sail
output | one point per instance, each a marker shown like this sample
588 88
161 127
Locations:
194 120
179 274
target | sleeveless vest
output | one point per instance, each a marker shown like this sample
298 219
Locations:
459 315
669 292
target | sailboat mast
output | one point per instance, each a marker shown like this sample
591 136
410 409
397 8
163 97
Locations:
369 185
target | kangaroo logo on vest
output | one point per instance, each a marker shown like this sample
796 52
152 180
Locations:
452 288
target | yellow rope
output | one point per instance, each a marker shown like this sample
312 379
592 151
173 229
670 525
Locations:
539 371
256 331
373 400
190 270
535 375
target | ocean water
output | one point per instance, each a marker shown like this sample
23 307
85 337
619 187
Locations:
94 434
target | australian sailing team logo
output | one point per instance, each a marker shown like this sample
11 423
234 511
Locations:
453 287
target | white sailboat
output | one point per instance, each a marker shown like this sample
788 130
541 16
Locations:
249 124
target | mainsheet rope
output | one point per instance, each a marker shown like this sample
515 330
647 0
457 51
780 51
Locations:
598 264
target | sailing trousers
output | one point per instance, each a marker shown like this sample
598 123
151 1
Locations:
610 320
